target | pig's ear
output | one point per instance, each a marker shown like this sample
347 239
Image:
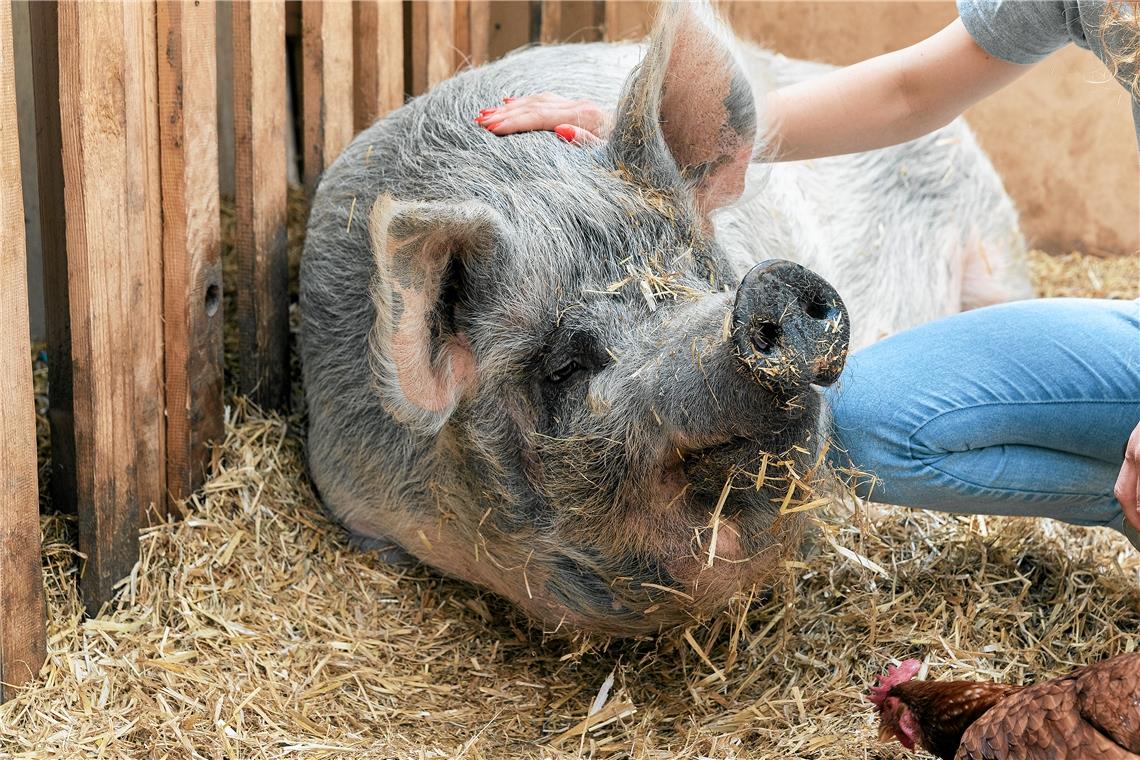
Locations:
421 361
688 99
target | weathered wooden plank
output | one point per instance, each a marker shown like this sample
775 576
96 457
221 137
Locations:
192 273
510 26
626 19
550 26
417 46
326 52
143 211
22 643
610 14
93 60
260 187
461 34
581 21
378 59
433 43
479 31
441 50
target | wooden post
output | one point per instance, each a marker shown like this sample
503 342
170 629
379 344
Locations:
472 33
326 53
378 59
478 31
625 19
102 273
22 643
433 43
461 34
609 16
260 187
192 273
550 25
144 219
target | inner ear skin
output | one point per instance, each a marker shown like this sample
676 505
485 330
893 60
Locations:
703 107
430 382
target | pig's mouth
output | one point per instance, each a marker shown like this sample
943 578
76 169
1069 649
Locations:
738 476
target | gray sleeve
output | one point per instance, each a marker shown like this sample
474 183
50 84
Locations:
1019 31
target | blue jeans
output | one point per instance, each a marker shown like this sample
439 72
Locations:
1018 409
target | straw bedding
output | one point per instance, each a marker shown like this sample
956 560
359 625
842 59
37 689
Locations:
250 629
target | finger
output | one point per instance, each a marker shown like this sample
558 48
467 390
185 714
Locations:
1125 492
509 106
576 135
529 101
528 120
1127 487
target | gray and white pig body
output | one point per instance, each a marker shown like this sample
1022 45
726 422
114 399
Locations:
537 368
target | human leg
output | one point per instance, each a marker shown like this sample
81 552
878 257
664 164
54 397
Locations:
1017 409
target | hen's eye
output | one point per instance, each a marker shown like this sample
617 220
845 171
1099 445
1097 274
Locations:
565 372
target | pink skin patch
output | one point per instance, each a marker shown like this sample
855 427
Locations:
895 720
906 670
430 386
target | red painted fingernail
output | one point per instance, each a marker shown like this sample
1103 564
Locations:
485 111
565 131
508 100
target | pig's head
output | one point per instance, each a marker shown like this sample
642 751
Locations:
612 429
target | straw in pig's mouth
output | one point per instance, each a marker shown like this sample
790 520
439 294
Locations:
738 475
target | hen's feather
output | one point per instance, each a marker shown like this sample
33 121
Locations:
1090 714
945 709
1093 712
1041 722
1109 698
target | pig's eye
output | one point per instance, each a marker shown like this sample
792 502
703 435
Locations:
565 372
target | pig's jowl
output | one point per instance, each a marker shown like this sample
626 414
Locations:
585 377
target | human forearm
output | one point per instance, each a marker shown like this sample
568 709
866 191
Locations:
882 101
885 100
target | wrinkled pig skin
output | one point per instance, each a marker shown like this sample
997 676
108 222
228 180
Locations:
535 367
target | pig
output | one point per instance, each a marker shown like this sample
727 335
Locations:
588 379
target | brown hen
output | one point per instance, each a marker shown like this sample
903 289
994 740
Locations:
1090 714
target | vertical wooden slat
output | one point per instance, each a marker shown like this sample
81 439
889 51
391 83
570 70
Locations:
418 48
550 27
461 34
479 31
22 643
378 59
260 201
626 19
192 275
610 15
144 220
472 35
98 224
510 26
326 52
433 43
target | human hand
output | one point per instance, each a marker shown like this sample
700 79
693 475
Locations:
1127 488
580 122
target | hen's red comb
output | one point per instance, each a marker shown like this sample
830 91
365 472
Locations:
906 670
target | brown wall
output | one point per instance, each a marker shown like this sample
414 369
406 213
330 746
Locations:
1061 136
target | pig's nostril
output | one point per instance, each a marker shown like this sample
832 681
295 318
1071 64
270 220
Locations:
764 336
816 306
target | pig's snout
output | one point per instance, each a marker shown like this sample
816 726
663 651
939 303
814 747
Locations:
790 327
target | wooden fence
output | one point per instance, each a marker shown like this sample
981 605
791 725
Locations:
127 148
